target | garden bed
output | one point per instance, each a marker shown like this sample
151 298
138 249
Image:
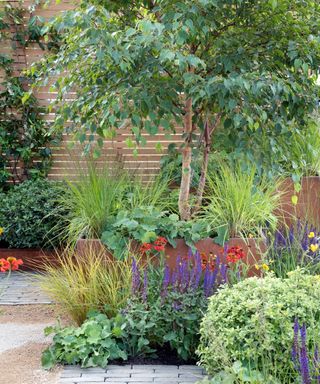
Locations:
253 249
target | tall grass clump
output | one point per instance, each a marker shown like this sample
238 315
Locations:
91 199
239 203
153 192
79 283
99 193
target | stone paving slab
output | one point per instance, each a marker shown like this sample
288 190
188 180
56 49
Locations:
127 374
21 289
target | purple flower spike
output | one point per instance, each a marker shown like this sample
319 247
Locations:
304 360
135 277
291 235
198 272
223 273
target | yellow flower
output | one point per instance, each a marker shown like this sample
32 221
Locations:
311 235
250 236
257 267
314 247
1 231
265 267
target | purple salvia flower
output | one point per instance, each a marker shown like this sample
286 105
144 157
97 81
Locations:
198 271
166 280
206 282
185 274
291 235
223 273
304 360
135 277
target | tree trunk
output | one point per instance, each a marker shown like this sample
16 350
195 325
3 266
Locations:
184 203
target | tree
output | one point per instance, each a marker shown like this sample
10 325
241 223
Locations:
243 64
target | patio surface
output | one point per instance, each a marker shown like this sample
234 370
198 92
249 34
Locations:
126 374
21 289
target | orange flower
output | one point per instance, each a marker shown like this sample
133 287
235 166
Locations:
207 261
4 265
14 263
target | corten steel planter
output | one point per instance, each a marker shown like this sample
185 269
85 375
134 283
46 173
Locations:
253 249
33 259
308 205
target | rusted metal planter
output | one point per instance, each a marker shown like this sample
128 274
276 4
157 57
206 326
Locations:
33 259
253 249
308 203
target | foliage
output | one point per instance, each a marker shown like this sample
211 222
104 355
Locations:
100 193
304 151
295 153
251 68
145 224
239 374
171 303
153 192
297 246
164 309
93 198
172 162
251 322
307 364
97 341
24 135
238 204
83 282
27 214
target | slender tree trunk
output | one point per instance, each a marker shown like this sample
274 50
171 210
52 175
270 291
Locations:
207 137
184 203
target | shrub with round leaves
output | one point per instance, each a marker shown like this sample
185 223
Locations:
30 214
252 322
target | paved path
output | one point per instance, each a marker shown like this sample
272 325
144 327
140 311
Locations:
21 334
21 288
127 374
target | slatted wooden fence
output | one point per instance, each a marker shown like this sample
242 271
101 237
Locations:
146 162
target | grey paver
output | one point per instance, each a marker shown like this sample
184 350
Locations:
134 374
21 289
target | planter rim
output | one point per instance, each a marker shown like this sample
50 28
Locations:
205 238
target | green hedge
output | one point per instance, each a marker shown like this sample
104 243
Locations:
29 214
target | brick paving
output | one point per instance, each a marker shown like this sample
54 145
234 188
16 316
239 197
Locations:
21 289
127 374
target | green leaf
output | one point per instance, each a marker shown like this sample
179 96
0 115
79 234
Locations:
26 96
148 237
48 359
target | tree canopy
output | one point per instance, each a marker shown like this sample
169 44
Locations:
244 65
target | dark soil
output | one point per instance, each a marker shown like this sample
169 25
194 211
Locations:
165 356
